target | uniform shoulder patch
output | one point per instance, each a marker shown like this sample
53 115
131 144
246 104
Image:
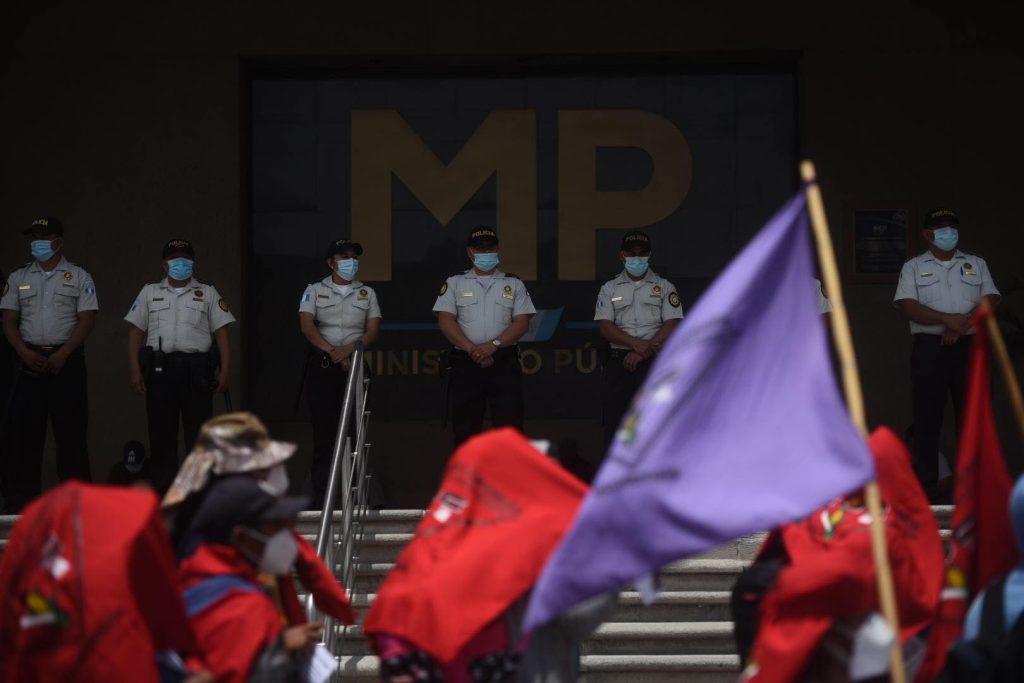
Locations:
444 288
673 299
223 305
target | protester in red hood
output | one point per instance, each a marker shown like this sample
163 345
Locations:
831 576
241 630
89 589
501 509
239 445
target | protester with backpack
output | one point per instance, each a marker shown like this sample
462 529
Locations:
241 631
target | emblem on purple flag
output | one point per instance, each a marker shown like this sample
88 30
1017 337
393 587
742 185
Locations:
739 427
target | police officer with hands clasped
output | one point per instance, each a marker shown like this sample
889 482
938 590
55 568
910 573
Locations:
937 293
49 308
175 368
636 312
334 314
483 312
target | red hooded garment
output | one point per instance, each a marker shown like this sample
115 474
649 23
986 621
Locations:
831 574
89 592
235 629
501 509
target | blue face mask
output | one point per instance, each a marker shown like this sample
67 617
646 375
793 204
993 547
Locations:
179 268
42 250
485 262
347 268
946 239
636 265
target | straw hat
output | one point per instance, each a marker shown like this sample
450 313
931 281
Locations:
232 443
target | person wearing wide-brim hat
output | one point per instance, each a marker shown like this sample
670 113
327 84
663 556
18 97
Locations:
239 445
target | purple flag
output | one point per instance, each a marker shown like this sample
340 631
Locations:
738 428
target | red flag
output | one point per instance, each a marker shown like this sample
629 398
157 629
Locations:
89 589
498 514
831 574
982 547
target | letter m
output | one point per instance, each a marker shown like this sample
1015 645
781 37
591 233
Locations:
384 145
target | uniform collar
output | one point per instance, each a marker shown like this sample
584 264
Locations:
188 285
329 282
472 275
61 265
929 256
624 277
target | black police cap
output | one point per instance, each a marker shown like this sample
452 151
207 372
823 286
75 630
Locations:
340 246
634 238
178 246
481 235
45 225
939 216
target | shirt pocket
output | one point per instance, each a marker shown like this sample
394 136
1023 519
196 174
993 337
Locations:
929 291
468 311
159 311
325 309
27 298
66 299
970 287
194 313
354 316
621 301
504 312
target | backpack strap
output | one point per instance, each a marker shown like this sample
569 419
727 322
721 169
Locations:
993 615
210 591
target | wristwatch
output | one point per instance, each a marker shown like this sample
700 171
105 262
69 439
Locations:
496 341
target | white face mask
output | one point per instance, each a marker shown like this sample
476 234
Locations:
276 483
279 551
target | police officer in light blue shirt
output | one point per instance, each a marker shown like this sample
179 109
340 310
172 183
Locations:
636 312
483 312
937 293
49 309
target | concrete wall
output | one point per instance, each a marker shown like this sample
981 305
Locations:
125 119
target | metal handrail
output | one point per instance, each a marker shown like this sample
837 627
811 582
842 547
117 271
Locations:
337 547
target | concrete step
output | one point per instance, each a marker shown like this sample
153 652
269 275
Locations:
607 668
670 638
686 575
659 668
670 606
618 638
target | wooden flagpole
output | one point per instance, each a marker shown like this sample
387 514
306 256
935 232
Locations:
855 404
1009 374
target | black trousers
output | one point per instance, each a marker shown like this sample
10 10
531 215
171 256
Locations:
61 399
617 391
937 374
179 397
325 394
474 389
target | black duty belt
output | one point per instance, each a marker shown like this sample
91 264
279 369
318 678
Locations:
50 349
617 354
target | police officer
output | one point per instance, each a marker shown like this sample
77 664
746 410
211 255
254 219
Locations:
937 293
49 309
171 356
334 314
483 312
636 312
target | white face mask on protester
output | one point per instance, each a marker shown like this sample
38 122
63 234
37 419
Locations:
276 483
279 551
